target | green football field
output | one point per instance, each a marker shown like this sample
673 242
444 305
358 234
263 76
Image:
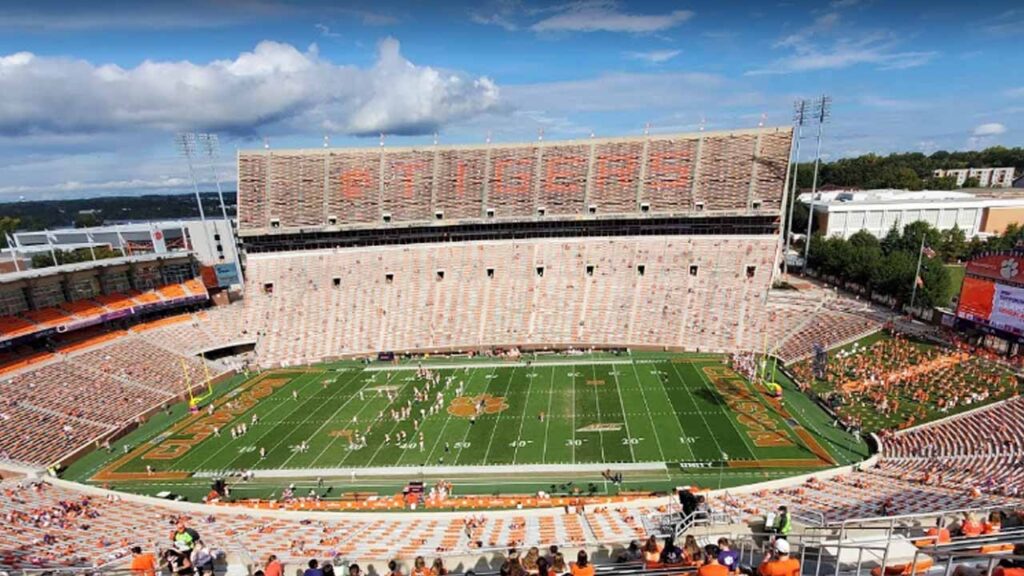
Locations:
689 412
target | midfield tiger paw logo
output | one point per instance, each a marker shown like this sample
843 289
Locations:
467 406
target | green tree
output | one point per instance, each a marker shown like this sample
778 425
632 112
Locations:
953 244
88 220
892 240
8 225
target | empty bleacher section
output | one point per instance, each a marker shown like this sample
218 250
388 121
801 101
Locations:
983 448
799 319
60 402
703 292
740 172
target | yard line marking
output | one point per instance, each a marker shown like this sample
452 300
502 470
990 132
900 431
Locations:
288 435
711 431
199 467
573 389
470 428
326 422
373 422
597 403
440 436
361 408
398 396
494 430
625 421
522 417
547 415
654 426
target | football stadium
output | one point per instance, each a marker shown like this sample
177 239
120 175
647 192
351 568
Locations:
502 358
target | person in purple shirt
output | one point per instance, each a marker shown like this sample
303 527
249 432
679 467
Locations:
728 557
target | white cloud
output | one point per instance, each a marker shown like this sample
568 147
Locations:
274 87
894 104
166 183
616 92
878 49
989 129
1015 92
654 56
606 16
501 13
326 31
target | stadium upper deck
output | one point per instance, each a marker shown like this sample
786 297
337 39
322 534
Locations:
739 173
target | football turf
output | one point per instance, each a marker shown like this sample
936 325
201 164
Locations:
682 409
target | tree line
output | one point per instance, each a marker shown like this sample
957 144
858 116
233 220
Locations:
907 170
886 266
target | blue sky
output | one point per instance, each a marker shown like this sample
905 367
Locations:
91 94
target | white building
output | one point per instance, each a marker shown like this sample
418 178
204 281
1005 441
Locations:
844 213
212 242
987 177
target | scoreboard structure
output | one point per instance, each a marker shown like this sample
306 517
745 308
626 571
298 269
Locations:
992 296
718 173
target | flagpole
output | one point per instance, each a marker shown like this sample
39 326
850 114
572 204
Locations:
917 274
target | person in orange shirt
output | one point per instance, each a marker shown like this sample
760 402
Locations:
779 563
711 567
143 564
970 527
993 524
273 567
938 534
582 565
419 567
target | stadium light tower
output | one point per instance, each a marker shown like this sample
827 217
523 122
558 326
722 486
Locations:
211 146
822 111
187 143
799 116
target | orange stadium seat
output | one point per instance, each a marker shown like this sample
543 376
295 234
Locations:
47 317
12 327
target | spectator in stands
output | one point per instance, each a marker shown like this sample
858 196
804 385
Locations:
671 554
419 567
582 566
185 535
438 568
727 556
273 567
783 525
177 560
711 567
202 558
552 552
937 534
328 569
632 553
542 567
692 554
778 562
1011 567
652 551
970 527
143 564
558 564
393 569
353 570
313 568
530 560
994 523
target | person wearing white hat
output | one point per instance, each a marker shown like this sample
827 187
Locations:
778 562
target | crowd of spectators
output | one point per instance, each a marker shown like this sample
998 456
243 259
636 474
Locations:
898 383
